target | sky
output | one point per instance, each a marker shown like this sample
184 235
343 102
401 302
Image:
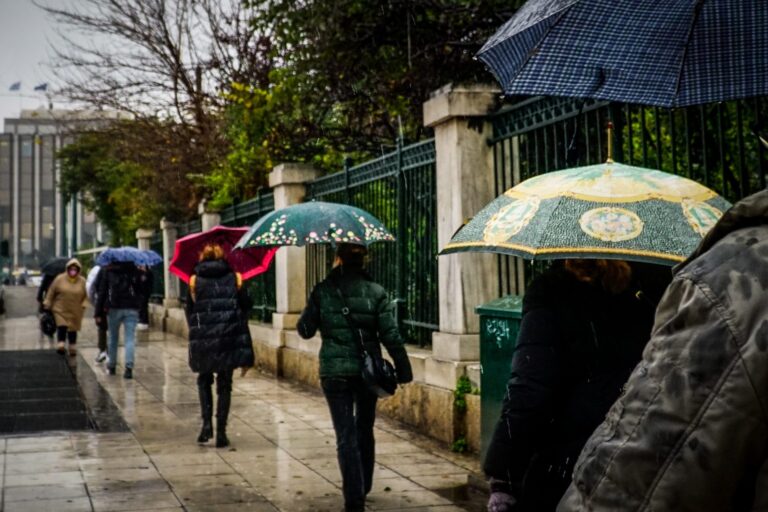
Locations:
25 32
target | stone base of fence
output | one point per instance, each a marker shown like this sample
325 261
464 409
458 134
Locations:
423 405
426 404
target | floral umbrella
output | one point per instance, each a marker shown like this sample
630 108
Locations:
315 223
609 210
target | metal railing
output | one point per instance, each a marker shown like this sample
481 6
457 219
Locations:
261 288
398 188
716 145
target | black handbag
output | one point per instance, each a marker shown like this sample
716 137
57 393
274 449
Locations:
47 323
378 373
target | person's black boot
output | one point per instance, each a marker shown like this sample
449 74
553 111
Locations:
222 413
206 411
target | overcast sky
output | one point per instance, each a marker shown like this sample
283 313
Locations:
25 33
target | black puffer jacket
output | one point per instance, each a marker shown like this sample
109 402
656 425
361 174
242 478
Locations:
576 347
219 338
120 288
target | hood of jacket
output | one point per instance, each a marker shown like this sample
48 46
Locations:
212 268
74 262
750 211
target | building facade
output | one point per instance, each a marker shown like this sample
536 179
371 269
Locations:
37 222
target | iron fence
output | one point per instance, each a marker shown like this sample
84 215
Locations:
399 188
158 273
261 288
716 145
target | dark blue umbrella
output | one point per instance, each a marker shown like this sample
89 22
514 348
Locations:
129 254
669 53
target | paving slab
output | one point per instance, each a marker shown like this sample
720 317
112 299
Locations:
282 457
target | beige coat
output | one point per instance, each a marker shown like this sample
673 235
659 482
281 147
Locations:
67 299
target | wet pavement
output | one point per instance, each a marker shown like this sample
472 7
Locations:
282 457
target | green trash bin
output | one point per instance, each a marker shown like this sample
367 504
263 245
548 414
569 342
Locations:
499 326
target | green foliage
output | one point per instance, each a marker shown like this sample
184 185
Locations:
463 387
460 445
89 168
345 80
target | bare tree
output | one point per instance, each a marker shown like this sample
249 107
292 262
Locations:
154 57
166 62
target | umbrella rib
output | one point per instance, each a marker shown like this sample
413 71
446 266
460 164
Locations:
694 19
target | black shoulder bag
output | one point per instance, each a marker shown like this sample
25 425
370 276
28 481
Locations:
378 373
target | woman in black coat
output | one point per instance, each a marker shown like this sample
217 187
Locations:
585 324
219 339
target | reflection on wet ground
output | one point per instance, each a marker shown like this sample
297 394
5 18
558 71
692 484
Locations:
282 456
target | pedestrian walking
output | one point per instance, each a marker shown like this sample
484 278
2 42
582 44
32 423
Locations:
348 289
690 433
66 298
92 288
219 338
584 326
119 300
146 277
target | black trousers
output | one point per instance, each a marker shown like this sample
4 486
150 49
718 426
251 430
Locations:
62 333
353 412
223 394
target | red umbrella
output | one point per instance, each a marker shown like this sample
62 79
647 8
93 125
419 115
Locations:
249 262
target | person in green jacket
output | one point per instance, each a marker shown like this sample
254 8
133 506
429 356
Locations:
352 406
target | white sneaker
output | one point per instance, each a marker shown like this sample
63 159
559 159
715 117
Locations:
142 327
101 357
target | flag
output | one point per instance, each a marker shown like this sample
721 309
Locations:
42 87
15 86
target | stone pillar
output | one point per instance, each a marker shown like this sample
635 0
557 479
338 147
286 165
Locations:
465 183
144 238
287 182
208 219
171 281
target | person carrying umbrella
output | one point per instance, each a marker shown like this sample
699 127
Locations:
583 330
352 405
66 298
119 299
219 338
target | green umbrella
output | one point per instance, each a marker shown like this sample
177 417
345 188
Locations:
600 211
316 223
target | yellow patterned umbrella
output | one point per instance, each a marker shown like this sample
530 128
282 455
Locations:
609 210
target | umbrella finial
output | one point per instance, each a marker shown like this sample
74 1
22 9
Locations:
609 160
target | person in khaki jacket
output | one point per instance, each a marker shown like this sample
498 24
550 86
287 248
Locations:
690 432
66 298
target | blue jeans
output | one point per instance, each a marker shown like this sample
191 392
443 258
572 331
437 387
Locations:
353 411
128 317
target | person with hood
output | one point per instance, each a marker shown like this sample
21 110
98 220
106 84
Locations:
219 338
66 298
690 432
584 326
118 300
352 406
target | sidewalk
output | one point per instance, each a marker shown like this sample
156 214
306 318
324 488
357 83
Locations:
282 457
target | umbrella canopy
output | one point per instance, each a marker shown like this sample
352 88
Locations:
667 53
316 223
129 254
250 262
600 211
54 266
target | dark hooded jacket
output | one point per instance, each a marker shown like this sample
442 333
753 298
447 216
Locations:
119 288
691 431
371 310
219 338
577 345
